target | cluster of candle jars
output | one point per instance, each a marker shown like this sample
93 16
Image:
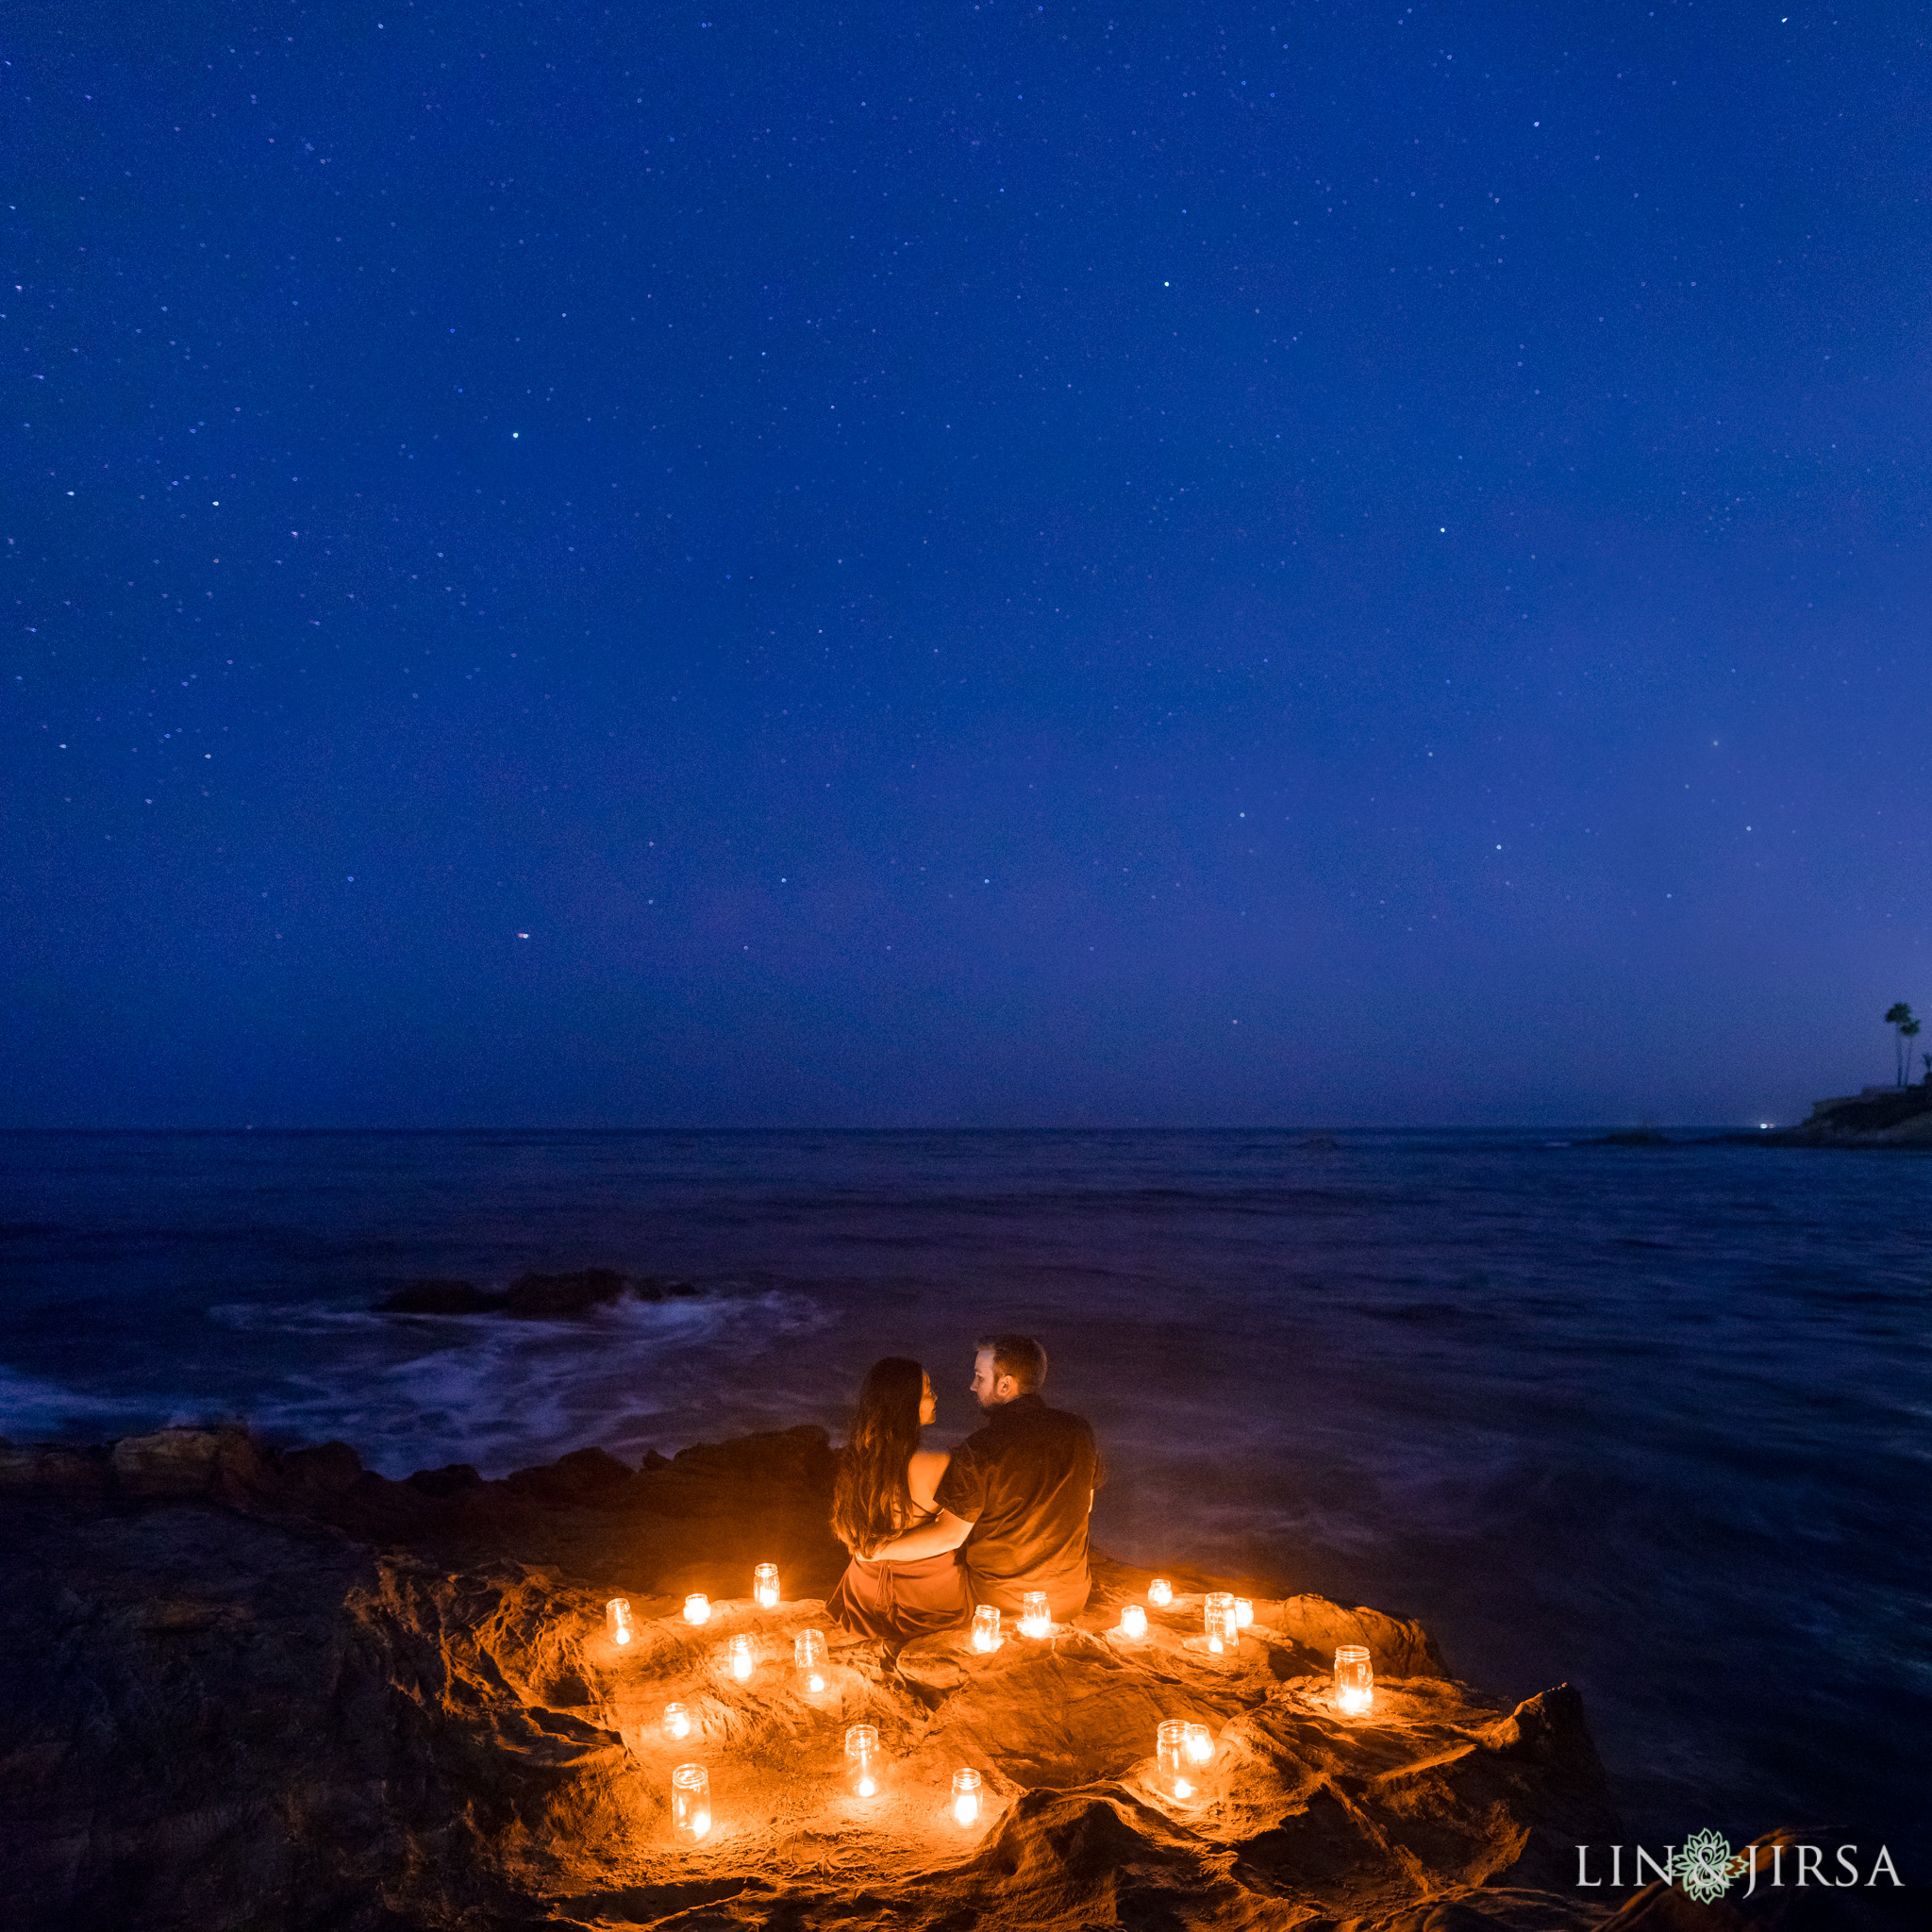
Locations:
691 1784
1354 1680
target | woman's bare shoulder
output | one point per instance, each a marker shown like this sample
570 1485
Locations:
928 1464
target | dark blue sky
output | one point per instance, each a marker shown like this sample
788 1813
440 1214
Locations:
947 563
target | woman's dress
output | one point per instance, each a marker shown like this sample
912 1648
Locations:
901 1601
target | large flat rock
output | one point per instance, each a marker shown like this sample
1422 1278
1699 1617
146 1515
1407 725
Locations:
238 1690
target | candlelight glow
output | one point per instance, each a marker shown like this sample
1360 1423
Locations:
1243 1612
966 1797
1199 1743
676 1721
765 1586
1161 1593
808 1654
986 1627
690 1802
1035 1615
1133 1620
741 1658
617 1620
862 1757
1219 1616
697 1608
1171 1757
1355 1681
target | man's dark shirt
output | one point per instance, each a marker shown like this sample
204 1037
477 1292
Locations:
1026 1482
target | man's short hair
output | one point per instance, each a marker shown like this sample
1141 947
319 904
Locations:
1018 1356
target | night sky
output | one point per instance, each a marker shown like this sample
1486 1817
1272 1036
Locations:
949 564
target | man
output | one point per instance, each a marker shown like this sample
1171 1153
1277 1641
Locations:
1018 1492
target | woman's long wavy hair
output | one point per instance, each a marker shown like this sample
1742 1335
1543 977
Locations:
871 1501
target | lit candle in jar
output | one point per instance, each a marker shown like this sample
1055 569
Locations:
966 1797
1354 1680
697 1608
677 1719
765 1586
1161 1593
1199 1745
986 1627
1218 1614
690 1802
862 1758
741 1658
1243 1612
1036 1617
1133 1620
617 1620
808 1654
1171 1757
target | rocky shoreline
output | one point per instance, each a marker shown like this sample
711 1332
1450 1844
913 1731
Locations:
244 1686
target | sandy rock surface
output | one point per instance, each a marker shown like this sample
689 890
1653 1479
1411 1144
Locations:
244 1689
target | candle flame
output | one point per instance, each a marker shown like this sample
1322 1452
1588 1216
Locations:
1355 1700
1215 1644
866 1788
815 1683
1182 1788
966 1807
623 1637
700 1824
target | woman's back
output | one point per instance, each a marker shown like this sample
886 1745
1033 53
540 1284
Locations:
923 1474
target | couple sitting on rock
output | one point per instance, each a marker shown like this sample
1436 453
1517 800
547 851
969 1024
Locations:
934 1535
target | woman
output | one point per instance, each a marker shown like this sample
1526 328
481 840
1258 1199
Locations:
885 1487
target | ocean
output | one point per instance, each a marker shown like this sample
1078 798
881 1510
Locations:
1650 1420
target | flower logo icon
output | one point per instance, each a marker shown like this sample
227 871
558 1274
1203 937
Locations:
1704 1866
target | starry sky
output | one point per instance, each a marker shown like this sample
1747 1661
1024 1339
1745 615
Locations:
942 564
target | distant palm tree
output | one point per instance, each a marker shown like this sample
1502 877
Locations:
1908 1031
1899 1015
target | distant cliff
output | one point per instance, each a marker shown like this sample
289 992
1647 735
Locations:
1878 1117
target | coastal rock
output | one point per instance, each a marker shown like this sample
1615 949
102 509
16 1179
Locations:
1878 1117
244 1686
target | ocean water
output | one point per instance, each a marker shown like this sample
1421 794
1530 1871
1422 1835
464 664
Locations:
1652 1421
